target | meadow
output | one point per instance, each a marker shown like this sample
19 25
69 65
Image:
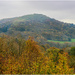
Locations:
72 40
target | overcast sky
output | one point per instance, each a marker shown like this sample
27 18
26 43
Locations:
63 10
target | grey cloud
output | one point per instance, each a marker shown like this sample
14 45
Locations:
13 8
55 9
53 5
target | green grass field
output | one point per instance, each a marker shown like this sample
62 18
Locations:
72 40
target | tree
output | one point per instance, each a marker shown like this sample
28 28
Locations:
72 57
72 52
32 58
58 63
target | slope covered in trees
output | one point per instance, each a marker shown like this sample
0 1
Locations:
41 27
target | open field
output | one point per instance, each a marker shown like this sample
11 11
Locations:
72 40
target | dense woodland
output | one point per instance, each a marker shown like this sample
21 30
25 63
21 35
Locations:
25 49
39 26
20 56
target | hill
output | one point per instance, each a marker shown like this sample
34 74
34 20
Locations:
39 26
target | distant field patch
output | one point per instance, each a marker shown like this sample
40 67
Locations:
72 40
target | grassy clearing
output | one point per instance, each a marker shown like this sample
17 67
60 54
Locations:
72 40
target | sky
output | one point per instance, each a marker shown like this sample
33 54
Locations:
62 10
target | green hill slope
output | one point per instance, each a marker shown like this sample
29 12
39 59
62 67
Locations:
39 26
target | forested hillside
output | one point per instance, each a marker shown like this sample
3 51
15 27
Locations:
39 26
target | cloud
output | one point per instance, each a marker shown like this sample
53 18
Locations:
14 8
60 10
69 20
56 9
53 5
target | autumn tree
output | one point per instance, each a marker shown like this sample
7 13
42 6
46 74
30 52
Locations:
32 58
58 63
72 57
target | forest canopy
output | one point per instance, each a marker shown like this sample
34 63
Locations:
20 56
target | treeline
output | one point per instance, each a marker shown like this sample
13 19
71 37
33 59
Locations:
61 45
20 56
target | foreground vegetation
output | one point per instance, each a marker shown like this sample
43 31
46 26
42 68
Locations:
19 56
